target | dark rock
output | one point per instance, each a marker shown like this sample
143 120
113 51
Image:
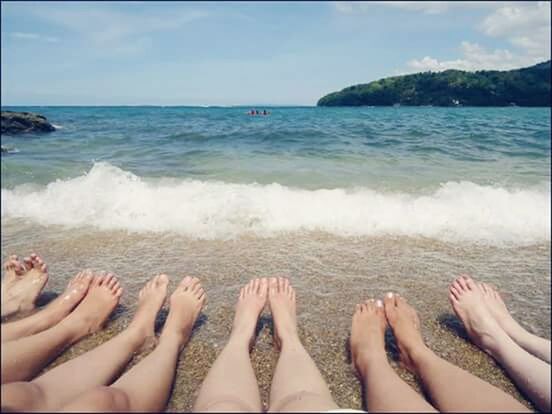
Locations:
19 122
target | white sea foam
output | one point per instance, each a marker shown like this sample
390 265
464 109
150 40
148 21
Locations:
110 198
57 126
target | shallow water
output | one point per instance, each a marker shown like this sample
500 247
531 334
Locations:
330 274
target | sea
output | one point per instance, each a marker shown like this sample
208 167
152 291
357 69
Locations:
349 203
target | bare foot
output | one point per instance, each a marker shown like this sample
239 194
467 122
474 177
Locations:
406 327
150 300
281 297
251 303
185 304
74 292
91 314
368 333
22 283
498 309
469 305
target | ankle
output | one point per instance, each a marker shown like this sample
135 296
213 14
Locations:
418 354
290 341
364 359
240 336
173 338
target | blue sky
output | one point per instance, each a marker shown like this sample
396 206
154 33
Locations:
241 53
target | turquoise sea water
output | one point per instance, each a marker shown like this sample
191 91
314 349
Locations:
476 174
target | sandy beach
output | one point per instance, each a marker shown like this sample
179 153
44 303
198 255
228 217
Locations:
330 273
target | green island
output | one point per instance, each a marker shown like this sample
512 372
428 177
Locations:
520 87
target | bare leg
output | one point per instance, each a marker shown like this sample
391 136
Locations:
241 393
23 358
22 284
537 346
51 314
100 366
530 374
297 384
381 383
132 392
449 387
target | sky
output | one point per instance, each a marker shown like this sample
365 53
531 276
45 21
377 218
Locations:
250 53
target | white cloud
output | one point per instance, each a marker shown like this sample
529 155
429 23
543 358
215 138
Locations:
524 25
475 57
116 32
33 36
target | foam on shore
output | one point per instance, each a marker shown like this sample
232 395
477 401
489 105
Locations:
110 198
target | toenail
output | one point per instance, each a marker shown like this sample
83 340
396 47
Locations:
379 303
390 294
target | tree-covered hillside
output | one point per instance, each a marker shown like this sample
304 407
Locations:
523 87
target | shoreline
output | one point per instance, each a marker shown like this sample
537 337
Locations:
330 274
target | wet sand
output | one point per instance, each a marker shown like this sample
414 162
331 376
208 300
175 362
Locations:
331 274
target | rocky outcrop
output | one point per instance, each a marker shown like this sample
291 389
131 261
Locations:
19 122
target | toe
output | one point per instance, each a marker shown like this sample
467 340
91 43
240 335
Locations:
389 299
199 292
389 305
470 283
194 282
273 285
453 299
196 287
112 281
10 265
454 292
369 304
290 291
116 286
379 306
186 282
256 286
280 284
485 288
400 301
104 279
263 286
458 286
97 280
163 279
249 288
287 284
